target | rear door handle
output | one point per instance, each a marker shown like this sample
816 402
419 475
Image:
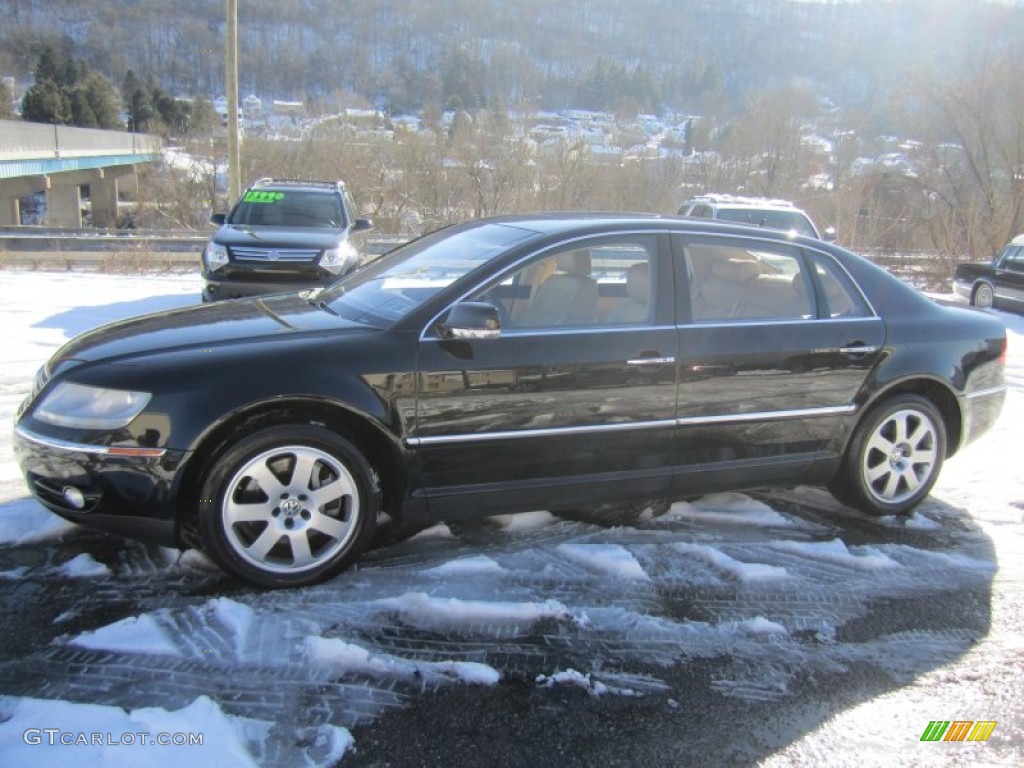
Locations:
857 349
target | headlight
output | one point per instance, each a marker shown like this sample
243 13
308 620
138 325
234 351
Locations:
82 407
335 259
215 256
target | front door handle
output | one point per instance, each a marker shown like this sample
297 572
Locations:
651 361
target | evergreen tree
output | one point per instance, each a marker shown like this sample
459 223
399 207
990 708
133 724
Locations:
65 92
6 106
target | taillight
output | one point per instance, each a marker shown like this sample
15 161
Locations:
1002 355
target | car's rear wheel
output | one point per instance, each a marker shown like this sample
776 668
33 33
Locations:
983 296
288 506
894 457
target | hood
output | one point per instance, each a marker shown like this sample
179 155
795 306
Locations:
205 325
281 237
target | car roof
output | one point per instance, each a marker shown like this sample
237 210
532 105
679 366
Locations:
578 223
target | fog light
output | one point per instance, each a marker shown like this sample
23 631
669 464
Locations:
73 496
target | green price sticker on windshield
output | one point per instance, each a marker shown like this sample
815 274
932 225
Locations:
255 196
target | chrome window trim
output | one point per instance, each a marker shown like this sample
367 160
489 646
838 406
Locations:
72 447
837 410
562 330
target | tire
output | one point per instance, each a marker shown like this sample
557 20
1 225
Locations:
983 296
288 506
893 458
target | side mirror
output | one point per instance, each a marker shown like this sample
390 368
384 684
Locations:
362 225
829 235
471 320
219 218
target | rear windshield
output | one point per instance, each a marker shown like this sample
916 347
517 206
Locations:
787 221
288 208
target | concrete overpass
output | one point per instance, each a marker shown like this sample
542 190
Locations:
60 160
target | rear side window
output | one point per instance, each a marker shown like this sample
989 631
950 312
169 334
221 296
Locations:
841 298
738 282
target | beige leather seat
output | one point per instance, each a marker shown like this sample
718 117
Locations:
567 297
636 307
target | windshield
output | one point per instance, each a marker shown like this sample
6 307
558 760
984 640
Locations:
390 288
288 208
787 221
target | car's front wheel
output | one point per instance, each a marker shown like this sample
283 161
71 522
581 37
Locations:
983 296
288 506
894 457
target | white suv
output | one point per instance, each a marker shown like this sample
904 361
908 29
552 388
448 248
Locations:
755 211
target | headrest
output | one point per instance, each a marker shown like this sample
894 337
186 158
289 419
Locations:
638 282
574 263
735 270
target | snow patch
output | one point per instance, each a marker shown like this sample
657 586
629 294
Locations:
467 566
236 617
525 520
836 552
135 634
83 567
23 520
746 572
734 508
439 531
355 658
223 744
421 609
611 559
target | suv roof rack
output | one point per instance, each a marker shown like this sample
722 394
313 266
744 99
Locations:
712 197
305 182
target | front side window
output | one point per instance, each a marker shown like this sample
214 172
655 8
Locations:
736 281
585 284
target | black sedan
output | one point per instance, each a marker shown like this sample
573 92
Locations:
998 283
517 363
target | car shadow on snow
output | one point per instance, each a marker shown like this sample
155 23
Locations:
80 319
710 631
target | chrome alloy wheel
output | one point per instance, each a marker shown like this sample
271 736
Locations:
290 509
901 455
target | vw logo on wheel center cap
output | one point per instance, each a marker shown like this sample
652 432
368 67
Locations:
291 507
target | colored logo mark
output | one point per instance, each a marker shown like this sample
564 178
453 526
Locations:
958 730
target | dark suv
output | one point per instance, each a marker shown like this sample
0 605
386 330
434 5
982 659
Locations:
283 234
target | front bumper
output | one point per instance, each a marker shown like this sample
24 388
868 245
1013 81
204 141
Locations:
114 489
215 290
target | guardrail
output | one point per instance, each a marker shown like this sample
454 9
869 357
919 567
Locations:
20 140
66 248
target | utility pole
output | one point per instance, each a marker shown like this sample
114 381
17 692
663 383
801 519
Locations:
231 83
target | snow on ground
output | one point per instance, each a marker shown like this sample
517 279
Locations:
774 592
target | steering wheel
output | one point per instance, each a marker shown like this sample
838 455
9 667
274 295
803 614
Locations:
491 297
